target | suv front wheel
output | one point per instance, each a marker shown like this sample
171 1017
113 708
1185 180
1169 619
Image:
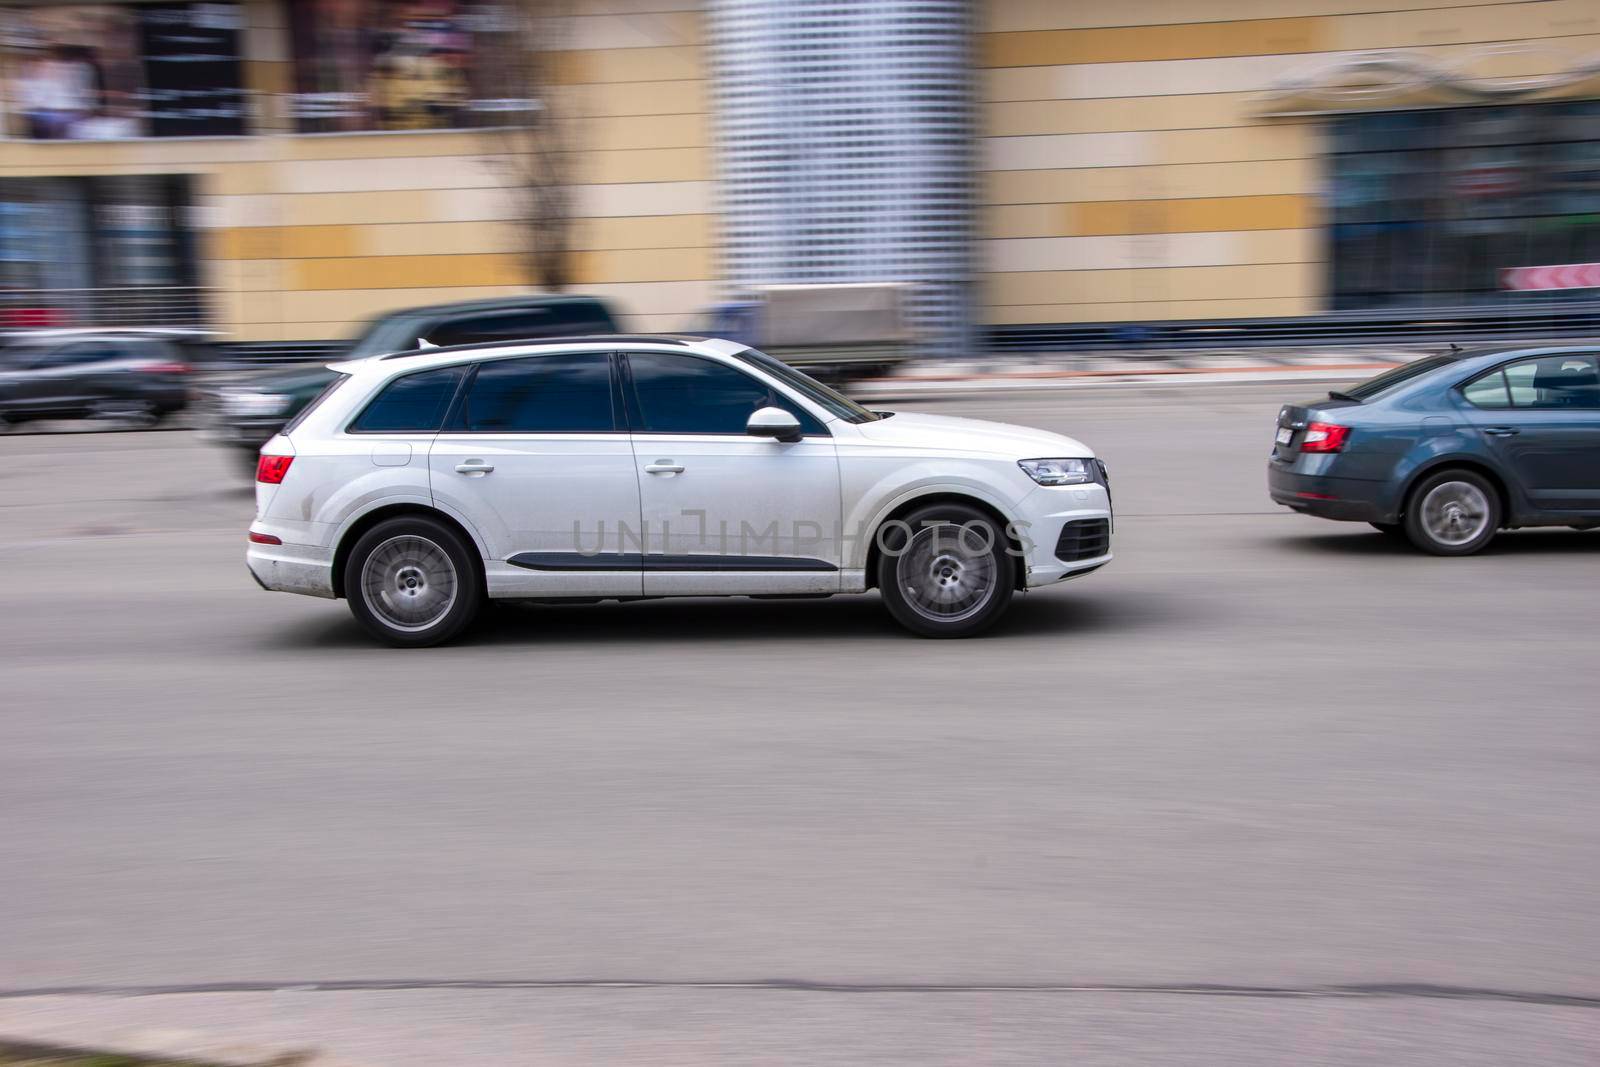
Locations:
411 582
945 571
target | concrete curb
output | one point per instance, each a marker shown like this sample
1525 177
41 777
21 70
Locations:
165 1048
919 386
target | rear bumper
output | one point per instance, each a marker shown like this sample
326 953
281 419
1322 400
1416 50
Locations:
301 569
1331 497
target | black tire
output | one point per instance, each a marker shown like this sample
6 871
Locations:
1428 523
930 551
427 554
1393 529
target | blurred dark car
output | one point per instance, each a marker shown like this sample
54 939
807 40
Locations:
128 375
249 408
1450 449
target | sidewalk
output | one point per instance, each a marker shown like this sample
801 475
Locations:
1071 370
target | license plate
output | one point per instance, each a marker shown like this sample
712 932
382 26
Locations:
1285 435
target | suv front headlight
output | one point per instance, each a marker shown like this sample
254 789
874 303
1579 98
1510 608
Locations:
1057 471
255 403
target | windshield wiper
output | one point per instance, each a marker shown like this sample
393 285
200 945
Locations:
1334 394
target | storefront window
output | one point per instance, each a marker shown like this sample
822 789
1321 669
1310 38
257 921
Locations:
1430 207
102 72
85 250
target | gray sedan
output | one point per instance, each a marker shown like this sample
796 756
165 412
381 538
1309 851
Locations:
1450 449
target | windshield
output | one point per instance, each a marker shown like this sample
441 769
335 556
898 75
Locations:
394 332
834 402
1396 376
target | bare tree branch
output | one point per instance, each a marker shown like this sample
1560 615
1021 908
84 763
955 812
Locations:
539 151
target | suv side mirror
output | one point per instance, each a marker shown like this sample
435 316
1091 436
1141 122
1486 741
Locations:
773 422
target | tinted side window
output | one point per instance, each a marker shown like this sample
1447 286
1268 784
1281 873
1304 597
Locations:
100 353
76 355
1560 382
1488 391
415 403
548 394
686 394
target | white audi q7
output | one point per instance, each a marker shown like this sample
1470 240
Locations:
621 468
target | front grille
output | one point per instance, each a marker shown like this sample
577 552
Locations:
1083 539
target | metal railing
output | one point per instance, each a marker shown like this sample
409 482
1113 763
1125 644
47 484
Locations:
1551 320
275 353
126 306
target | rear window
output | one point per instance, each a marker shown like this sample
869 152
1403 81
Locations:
1396 376
521 324
415 403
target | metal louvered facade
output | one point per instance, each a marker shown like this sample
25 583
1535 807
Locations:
846 149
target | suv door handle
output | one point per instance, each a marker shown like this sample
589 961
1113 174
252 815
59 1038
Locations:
1501 431
474 466
664 466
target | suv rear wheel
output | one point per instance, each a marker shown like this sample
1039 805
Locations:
1453 513
944 571
412 582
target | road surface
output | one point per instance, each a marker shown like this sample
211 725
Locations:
1265 790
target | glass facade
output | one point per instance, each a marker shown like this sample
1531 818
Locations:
1428 208
845 149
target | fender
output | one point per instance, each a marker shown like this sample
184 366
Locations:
856 558
409 500
1416 468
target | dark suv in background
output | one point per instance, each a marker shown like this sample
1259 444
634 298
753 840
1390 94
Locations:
247 409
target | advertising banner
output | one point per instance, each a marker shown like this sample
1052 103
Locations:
402 65
86 72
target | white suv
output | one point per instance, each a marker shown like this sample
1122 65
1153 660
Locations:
629 467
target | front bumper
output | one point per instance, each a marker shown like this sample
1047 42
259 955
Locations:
1331 497
217 424
1043 514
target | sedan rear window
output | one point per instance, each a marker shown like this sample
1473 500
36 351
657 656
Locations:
1396 376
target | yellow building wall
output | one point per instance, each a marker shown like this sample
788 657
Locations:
305 237
1127 173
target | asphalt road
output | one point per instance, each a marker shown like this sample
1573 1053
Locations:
1291 791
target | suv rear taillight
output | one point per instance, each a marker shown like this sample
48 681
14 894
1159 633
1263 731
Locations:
1324 437
168 367
271 469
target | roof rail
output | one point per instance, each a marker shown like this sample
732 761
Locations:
593 338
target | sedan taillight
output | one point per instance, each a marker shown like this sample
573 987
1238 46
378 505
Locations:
1324 437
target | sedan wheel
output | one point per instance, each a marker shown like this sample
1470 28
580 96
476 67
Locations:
1453 513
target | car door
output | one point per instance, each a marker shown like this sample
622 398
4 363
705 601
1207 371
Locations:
65 379
16 380
1541 418
536 457
725 512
